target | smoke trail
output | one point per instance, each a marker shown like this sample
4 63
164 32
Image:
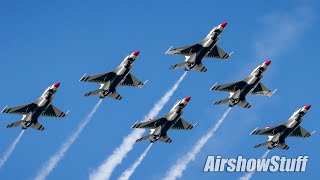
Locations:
53 161
10 149
182 163
105 170
127 173
250 174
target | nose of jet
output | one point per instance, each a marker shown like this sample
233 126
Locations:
56 85
187 98
224 24
267 63
307 107
136 53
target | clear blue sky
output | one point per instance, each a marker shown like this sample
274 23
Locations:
43 42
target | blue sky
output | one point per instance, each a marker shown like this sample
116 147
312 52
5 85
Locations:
45 42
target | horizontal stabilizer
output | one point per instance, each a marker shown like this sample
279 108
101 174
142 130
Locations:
37 126
165 139
95 92
180 65
115 95
261 145
15 124
200 68
283 146
144 138
225 101
244 104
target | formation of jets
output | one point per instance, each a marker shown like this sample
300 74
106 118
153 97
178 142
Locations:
121 76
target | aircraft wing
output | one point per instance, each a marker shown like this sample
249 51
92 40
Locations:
24 109
231 87
181 124
52 111
265 132
99 78
300 132
217 52
261 90
130 80
184 51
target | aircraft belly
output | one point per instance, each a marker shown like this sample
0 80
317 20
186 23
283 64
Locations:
121 71
287 132
116 81
293 124
248 88
173 116
42 102
203 52
166 127
39 110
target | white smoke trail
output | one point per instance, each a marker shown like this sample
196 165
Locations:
182 163
53 161
127 173
250 174
104 171
10 149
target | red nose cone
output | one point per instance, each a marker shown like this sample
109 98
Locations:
267 62
56 85
224 24
307 107
187 98
136 53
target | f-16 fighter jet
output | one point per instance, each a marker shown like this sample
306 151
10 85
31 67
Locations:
171 120
119 76
278 134
41 107
250 85
207 48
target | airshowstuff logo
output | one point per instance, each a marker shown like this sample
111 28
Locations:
240 164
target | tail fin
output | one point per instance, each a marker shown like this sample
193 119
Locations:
144 138
15 124
244 104
180 65
225 101
262 144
